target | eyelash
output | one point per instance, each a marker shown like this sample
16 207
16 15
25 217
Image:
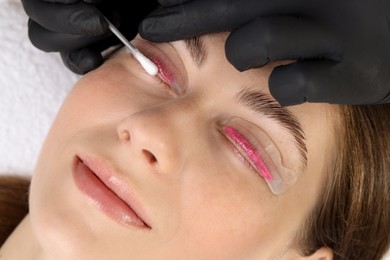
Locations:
157 80
238 150
242 158
166 77
161 83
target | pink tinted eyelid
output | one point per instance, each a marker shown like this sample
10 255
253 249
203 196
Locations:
163 73
168 78
263 153
250 152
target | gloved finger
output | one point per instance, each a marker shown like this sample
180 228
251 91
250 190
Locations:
280 38
166 3
78 18
314 81
65 2
199 17
190 19
82 60
94 2
306 81
85 59
52 41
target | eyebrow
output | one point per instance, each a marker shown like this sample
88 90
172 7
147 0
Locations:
257 101
197 50
264 104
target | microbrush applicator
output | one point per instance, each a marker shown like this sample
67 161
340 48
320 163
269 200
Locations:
146 63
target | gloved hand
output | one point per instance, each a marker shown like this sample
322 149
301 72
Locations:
341 47
77 30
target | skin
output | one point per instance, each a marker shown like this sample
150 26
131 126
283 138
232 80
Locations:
202 201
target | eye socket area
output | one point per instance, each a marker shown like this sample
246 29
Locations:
261 153
125 61
171 68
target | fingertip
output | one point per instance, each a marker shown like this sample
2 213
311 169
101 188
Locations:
36 33
306 81
89 22
146 28
161 26
243 51
172 2
92 1
286 87
82 61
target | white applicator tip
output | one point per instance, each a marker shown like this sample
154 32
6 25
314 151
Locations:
146 63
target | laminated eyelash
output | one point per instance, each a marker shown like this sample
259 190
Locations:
262 153
171 88
250 152
168 71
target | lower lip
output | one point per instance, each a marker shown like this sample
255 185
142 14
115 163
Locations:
104 198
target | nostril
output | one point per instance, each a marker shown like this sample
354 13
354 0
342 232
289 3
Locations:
149 156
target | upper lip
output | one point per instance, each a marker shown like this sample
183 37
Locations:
106 173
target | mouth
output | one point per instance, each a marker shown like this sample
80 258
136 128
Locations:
97 181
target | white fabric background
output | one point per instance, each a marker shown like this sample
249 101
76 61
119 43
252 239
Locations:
32 86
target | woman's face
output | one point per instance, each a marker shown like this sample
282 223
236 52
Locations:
193 160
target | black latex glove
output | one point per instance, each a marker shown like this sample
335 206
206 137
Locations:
342 47
76 29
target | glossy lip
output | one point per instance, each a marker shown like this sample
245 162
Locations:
96 179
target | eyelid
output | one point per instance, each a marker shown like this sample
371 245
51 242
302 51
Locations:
154 80
171 68
266 157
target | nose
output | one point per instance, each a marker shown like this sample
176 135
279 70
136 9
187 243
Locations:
155 139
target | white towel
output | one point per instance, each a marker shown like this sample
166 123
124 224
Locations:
33 85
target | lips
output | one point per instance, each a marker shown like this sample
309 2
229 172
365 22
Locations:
95 179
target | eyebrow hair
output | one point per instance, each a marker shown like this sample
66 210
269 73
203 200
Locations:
197 50
257 101
263 103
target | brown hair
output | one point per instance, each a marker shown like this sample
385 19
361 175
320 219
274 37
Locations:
13 203
352 217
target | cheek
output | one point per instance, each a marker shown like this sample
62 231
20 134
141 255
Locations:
225 210
52 207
